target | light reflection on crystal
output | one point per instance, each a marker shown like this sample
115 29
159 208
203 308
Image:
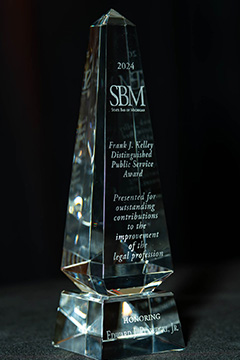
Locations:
86 223
76 239
71 209
78 200
90 151
126 309
79 215
80 313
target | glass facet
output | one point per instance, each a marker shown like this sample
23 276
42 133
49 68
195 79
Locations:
116 248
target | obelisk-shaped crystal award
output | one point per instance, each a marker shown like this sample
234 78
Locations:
116 248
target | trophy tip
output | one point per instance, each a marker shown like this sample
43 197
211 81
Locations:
114 13
112 17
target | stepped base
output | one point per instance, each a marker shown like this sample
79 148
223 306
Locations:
103 327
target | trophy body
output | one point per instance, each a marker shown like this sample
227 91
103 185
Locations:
116 248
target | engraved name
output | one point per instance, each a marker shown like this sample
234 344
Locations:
142 330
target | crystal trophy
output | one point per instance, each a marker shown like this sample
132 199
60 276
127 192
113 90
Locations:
116 248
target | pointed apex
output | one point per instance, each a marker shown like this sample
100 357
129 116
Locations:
112 17
114 13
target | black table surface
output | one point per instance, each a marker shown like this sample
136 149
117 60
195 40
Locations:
207 296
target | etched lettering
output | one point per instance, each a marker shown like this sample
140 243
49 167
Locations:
125 96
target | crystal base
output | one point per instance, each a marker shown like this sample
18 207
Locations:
118 327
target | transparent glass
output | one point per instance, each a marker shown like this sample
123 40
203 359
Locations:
116 238
116 247
118 327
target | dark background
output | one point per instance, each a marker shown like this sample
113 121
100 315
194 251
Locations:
191 59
